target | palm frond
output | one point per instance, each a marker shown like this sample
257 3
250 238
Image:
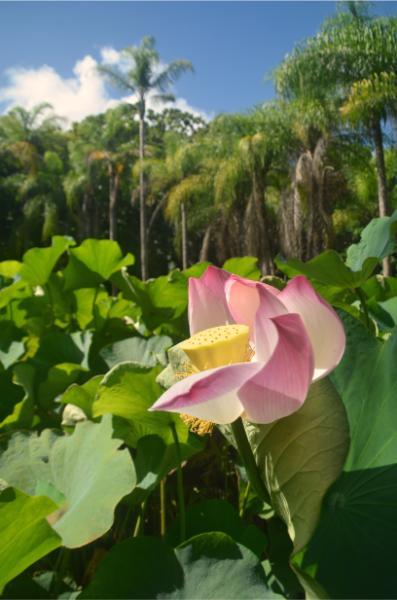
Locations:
116 78
184 192
171 74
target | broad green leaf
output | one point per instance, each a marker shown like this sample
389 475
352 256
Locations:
82 395
146 352
93 474
329 269
86 468
93 262
378 240
210 566
26 460
10 394
38 263
89 302
59 377
33 314
301 455
355 544
58 348
10 355
25 586
390 306
169 292
313 590
142 567
25 535
21 415
380 288
245 266
382 317
128 391
196 270
218 515
11 346
9 268
162 301
18 289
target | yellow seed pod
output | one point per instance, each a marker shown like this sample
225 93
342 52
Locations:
218 346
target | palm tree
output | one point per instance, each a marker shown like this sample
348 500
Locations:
354 60
81 182
244 174
306 222
30 127
145 75
184 179
114 162
36 142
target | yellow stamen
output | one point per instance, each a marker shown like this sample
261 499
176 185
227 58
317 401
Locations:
218 346
196 425
208 349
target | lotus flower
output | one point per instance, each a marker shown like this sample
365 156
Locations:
253 350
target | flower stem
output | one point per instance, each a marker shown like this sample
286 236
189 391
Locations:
179 483
245 498
139 521
162 508
249 461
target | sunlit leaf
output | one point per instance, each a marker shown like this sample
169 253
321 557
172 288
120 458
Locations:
87 469
25 535
356 536
93 262
38 263
301 455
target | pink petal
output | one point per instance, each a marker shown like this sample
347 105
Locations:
265 337
210 395
244 297
323 325
207 300
281 386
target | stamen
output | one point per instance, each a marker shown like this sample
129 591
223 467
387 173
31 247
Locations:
196 425
186 369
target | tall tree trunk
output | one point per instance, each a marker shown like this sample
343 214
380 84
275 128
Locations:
142 204
96 219
205 246
382 182
82 218
114 179
184 236
87 214
263 231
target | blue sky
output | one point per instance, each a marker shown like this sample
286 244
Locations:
49 50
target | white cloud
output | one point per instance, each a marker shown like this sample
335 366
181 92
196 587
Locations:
74 98
110 55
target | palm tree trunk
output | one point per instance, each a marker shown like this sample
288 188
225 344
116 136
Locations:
380 169
113 192
142 204
205 246
184 236
88 215
264 250
382 182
